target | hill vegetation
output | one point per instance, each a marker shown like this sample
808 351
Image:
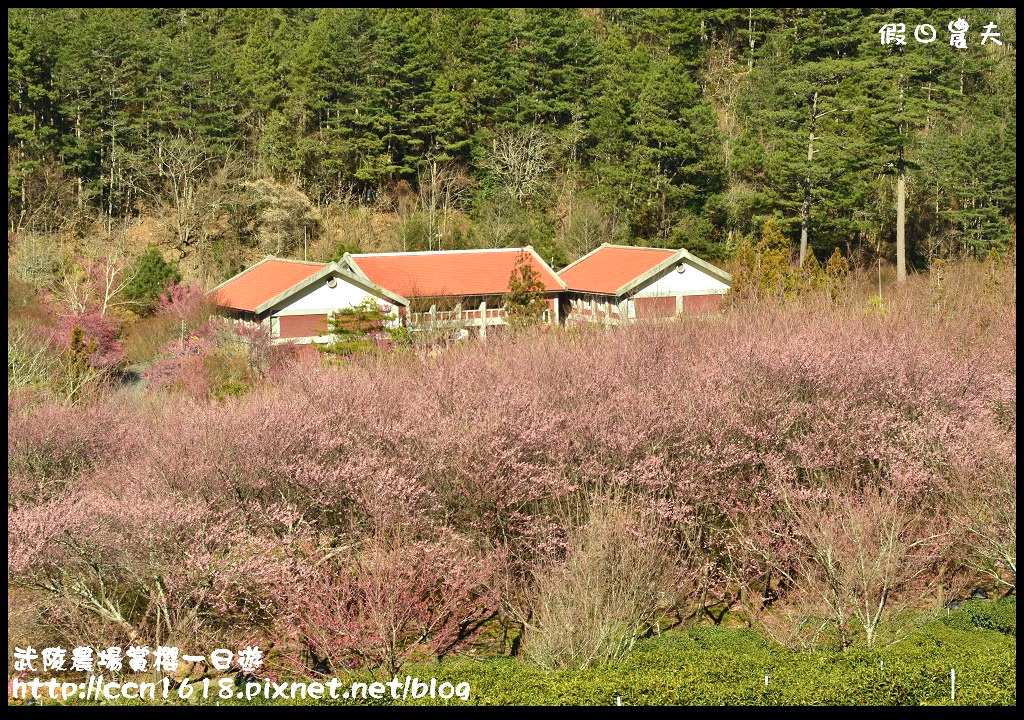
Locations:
225 134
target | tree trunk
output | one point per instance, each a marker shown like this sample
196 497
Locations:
750 38
901 220
805 212
78 173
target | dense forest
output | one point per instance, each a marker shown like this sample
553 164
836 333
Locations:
237 132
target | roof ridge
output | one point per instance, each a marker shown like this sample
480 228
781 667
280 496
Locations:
640 247
299 262
440 252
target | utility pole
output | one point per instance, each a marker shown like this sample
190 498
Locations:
901 219
901 205
805 212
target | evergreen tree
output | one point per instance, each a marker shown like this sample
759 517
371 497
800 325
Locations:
151 275
32 121
355 329
524 302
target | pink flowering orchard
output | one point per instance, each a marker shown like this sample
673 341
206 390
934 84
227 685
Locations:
825 462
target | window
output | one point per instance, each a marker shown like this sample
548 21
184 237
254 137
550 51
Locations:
275 327
546 316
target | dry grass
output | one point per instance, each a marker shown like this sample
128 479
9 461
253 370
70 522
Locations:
147 336
591 607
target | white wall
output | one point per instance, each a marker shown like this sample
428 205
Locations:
690 282
319 299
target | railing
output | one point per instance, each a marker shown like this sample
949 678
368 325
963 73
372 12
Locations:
482 317
238 322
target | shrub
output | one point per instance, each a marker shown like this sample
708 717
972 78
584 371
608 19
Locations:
591 607
185 303
147 336
217 360
357 329
728 667
383 605
33 358
50 445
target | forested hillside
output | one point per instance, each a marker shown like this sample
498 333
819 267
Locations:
232 133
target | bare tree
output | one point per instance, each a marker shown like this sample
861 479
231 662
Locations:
519 160
590 607
851 558
172 175
863 556
585 227
282 214
45 201
497 225
36 258
986 515
442 187
99 282
30 360
405 203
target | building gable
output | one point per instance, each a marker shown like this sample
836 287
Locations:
691 281
324 296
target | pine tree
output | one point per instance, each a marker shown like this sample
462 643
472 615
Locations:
680 127
150 278
763 269
525 302
31 112
354 330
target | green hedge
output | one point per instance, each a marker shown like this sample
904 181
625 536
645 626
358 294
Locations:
1000 615
719 666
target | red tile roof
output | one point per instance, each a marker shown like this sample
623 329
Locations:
449 272
268 279
610 267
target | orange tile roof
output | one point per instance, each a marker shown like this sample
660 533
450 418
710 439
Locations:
449 272
268 279
608 268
